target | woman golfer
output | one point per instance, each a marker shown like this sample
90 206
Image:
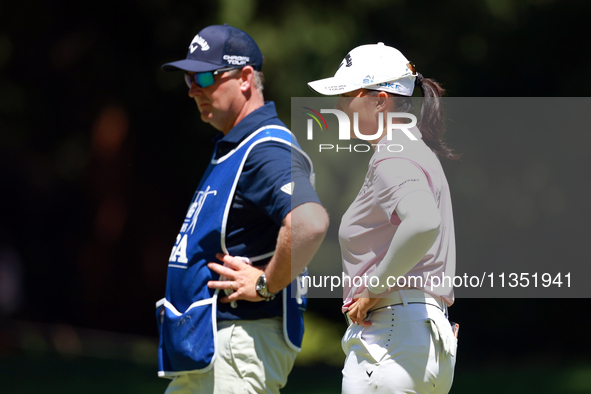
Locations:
397 237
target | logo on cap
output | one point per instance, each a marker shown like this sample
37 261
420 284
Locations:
198 41
390 85
236 60
349 60
368 79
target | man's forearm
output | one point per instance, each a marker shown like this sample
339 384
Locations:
299 238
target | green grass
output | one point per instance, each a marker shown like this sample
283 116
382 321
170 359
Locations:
47 372
51 373
60 359
510 379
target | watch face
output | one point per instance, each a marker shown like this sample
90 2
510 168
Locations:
261 282
261 288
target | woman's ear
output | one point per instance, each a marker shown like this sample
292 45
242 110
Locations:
382 101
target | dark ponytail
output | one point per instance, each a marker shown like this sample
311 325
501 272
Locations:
431 117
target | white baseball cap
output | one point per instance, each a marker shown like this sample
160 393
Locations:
373 66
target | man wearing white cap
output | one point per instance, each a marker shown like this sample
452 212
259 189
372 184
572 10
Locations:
251 210
399 227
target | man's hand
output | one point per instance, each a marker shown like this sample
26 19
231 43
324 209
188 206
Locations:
242 279
310 223
362 303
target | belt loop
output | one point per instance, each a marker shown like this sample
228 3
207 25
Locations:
404 301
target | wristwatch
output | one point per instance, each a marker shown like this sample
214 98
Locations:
262 288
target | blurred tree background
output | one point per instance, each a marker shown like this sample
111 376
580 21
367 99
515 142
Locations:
100 152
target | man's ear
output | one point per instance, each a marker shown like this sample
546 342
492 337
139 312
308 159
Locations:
247 78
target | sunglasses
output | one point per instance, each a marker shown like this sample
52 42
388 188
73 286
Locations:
206 79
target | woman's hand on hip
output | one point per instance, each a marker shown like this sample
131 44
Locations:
362 303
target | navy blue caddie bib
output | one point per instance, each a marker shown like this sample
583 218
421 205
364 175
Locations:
187 315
